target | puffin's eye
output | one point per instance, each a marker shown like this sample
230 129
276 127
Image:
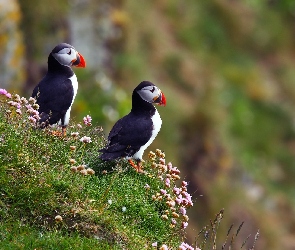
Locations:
152 90
70 52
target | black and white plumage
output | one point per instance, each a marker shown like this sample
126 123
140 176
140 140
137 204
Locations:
133 133
56 92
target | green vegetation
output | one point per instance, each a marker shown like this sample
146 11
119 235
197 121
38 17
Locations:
57 194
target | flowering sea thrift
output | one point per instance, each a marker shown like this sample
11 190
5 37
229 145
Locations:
4 92
177 199
85 139
87 120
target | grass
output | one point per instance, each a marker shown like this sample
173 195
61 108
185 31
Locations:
57 194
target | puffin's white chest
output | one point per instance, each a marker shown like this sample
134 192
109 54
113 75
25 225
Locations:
157 123
74 81
75 85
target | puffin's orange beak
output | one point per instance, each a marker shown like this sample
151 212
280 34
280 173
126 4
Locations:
80 62
160 100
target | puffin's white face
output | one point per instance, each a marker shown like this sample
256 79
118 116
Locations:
152 94
66 56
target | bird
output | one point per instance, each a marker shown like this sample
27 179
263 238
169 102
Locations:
56 92
133 133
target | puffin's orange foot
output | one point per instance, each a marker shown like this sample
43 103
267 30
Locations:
56 133
137 167
64 131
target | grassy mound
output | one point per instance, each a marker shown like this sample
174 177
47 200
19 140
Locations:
56 193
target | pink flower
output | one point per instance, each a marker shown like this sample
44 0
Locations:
8 95
87 120
85 139
176 190
175 170
155 244
3 92
32 119
169 166
167 182
173 221
184 224
182 210
147 186
163 191
185 246
18 111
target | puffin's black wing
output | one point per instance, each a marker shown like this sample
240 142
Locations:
127 136
54 96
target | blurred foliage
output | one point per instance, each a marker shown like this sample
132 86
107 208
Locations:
227 70
11 44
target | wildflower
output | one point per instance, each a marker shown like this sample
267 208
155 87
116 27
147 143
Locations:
110 202
175 215
155 244
175 170
164 217
147 186
72 161
184 225
173 221
170 203
182 210
154 165
163 191
32 119
24 100
185 218
152 155
123 209
36 106
178 200
90 171
74 169
18 111
167 182
79 125
81 167
87 120
176 190
74 134
17 97
175 176
32 100
164 247
185 246
85 139
73 148
3 92
58 218
83 172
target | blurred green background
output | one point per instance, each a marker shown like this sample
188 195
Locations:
227 70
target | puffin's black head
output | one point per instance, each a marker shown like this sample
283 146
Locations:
67 55
151 93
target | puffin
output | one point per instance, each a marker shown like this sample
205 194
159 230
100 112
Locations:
56 92
133 133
